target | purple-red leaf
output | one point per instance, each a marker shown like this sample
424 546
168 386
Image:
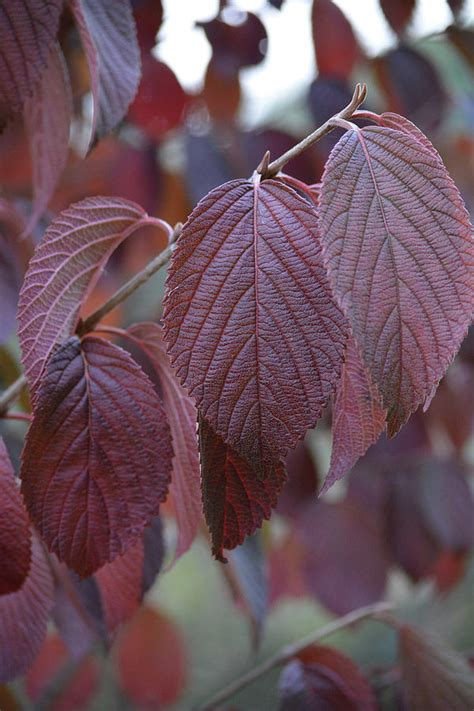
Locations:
302 485
335 44
400 254
23 617
433 676
185 485
237 45
10 283
97 457
15 536
358 416
65 268
324 678
398 13
27 30
249 319
235 499
109 39
48 114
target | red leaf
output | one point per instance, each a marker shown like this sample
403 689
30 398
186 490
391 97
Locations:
302 485
237 45
335 44
400 123
79 687
160 102
65 268
48 114
108 36
97 456
15 536
181 412
404 278
249 318
398 13
151 660
433 676
235 499
23 617
148 18
324 678
27 30
358 416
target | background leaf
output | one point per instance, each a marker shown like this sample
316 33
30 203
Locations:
335 44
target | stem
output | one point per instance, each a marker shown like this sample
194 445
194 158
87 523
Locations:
21 416
291 650
275 166
11 394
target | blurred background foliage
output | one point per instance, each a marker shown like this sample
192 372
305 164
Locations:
222 83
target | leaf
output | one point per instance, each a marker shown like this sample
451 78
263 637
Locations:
433 676
302 485
27 30
400 123
398 13
23 617
249 319
108 36
335 44
48 114
151 660
358 417
10 282
249 567
235 499
404 277
237 45
185 487
324 678
97 457
63 271
154 554
15 535
456 7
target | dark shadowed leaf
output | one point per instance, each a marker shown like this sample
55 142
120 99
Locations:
335 44
148 16
185 485
235 499
398 13
153 553
15 536
66 266
151 660
249 565
249 319
326 97
48 114
358 416
27 31
344 532
237 45
302 485
23 617
404 276
97 457
160 102
109 39
10 282
221 93
411 86
322 678
433 676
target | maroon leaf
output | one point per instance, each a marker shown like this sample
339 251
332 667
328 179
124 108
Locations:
405 273
181 412
65 268
160 102
151 660
237 45
456 6
302 485
358 416
15 536
400 123
433 676
148 18
109 39
23 617
398 13
249 318
324 678
27 30
235 499
97 457
335 44
344 532
10 282
48 116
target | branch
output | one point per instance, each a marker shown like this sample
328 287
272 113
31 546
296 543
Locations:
291 650
271 169
11 394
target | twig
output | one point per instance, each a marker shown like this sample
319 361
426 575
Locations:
20 416
291 650
11 393
275 166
